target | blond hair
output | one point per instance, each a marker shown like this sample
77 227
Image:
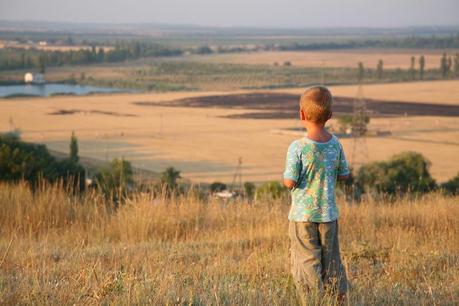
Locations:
316 103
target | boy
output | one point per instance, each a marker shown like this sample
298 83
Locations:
313 165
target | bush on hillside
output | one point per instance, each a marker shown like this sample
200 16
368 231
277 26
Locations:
217 187
451 186
249 190
116 179
270 190
33 162
405 172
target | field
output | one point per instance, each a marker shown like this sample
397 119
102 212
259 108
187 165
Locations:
205 144
393 58
442 92
57 249
206 115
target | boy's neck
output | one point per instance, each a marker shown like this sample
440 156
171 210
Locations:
317 132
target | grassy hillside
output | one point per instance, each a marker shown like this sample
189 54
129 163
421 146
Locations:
62 249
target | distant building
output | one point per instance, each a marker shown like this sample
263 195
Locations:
34 78
43 43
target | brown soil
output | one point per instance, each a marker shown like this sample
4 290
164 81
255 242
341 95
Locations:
284 106
97 112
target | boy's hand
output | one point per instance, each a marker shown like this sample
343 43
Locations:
289 183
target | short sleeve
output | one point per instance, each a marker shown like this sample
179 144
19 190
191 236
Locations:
292 163
343 167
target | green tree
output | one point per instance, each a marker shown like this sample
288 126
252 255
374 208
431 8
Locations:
270 190
169 178
249 189
444 66
74 148
422 64
217 187
360 72
116 179
31 162
456 64
380 69
451 186
412 68
42 63
405 172
449 65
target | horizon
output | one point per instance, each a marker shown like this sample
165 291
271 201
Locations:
196 25
290 14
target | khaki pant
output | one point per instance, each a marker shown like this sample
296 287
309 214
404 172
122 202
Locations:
316 262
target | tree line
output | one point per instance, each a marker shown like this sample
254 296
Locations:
448 68
403 174
433 42
16 58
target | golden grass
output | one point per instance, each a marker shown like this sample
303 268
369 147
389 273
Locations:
331 58
61 249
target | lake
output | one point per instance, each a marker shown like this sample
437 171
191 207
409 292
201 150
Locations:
45 90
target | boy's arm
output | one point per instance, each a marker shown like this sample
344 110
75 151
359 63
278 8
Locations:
343 167
292 166
289 183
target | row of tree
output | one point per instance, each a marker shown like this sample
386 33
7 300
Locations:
15 58
405 173
449 67
415 42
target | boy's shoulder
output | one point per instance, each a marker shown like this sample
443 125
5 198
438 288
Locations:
305 141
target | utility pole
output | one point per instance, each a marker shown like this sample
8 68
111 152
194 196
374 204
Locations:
360 120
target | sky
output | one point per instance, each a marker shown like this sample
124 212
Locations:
237 13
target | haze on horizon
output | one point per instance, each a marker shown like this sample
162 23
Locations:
239 13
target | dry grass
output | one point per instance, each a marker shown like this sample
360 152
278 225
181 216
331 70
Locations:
59 249
343 58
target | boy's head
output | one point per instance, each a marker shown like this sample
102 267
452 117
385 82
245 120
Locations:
315 105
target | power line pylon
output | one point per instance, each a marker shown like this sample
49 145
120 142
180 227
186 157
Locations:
237 175
360 121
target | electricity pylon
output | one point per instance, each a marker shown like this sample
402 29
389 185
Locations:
360 120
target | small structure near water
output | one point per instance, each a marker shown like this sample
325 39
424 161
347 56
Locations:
34 78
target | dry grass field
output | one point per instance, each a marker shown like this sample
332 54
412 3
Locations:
206 147
393 58
60 249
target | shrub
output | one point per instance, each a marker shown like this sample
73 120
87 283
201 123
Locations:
451 186
249 189
404 172
115 180
32 162
169 178
217 187
270 190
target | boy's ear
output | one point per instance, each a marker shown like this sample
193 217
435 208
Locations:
302 116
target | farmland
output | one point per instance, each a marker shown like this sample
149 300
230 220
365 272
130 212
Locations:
154 137
206 101
393 58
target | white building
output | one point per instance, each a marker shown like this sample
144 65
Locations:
34 78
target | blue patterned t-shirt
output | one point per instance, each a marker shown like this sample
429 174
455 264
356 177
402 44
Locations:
315 167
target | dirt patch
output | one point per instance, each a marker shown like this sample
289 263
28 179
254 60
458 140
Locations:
284 106
90 112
